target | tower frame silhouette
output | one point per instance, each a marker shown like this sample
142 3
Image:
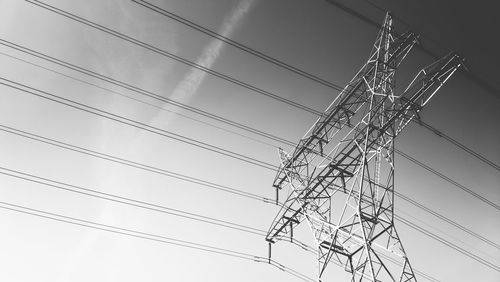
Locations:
344 190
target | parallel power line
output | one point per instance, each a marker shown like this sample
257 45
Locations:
221 75
128 201
296 70
196 110
197 181
207 146
460 145
151 237
449 221
133 88
490 89
133 164
173 56
449 180
153 207
448 243
149 206
82 107
238 45
139 125
207 184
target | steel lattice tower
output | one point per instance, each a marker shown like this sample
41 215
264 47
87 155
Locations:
344 190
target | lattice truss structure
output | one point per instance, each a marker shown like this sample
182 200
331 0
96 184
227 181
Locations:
344 190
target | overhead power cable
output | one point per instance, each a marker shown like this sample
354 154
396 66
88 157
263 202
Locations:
303 73
236 44
158 107
448 243
192 109
212 116
173 56
108 157
133 164
208 184
153 207
460 145
231 79
82 104
92 112
128 201
451 236
456 184
197 66
151 237
490 89
447 220
136 124
127 86
141 204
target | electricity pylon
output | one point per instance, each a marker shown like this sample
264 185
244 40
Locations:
344 190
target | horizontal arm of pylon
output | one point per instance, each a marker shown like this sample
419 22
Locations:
368 115
349 101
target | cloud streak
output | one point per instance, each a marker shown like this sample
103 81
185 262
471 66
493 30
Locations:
188 87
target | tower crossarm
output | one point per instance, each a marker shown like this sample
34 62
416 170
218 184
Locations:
344 190
387 54
339 113
370 225
363 138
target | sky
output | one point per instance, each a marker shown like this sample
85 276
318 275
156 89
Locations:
315 36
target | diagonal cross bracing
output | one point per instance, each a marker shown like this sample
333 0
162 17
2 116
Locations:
345 189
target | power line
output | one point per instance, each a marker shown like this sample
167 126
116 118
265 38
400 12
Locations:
193 109
194 142
108 157
133 164
406 156
149 236
72 101
207 70
238 45
136 203
161 108
127 86
451 236
130 122
490 89
128 201
460 145
456 184
303 73
145 205
207 114
173 56
448 243
207 184
447 220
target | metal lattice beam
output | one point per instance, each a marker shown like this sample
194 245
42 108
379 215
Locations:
344 190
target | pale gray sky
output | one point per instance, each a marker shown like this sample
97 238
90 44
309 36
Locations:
312 35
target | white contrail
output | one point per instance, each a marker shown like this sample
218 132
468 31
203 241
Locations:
183 92
192 81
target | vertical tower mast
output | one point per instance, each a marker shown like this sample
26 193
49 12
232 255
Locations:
345 189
